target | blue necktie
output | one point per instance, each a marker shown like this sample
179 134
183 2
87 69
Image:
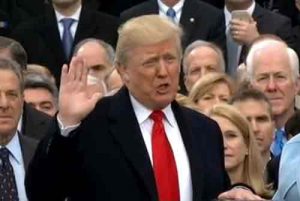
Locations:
8 187
171 14
279 135
67 38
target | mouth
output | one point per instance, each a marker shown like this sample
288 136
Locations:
163 88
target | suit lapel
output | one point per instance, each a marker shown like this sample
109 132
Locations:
28 147
86 26
125 129
187 19
194 159
151 8
52 37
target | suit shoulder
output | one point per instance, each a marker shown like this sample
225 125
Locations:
199 119
138 10
103 17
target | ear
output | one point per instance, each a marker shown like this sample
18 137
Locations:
298 85
123 72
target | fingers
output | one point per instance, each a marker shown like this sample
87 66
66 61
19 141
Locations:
64 74
78 70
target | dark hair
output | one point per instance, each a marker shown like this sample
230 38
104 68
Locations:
292 126
247 93
36 80
16 50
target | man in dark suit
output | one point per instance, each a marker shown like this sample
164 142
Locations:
138 144
33 123
48 43
199 20
16 150
241 33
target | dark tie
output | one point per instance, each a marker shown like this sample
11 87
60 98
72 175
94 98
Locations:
67 38
164 164
8 187
171 14
279 135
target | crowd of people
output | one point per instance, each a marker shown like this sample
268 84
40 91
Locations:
162 100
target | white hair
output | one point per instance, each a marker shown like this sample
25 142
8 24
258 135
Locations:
198 44
272 43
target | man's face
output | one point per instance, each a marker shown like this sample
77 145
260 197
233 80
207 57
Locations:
41 99
95 58
258 114
274 78
152 73
11 102
201 61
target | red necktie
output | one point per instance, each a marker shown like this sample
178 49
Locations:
164 165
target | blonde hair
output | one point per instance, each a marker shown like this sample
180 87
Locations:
145 30
186 102
253 172
207 82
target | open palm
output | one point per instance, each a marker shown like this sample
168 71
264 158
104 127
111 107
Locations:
75 103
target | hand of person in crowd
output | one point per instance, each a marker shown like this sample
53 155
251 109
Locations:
239 194
243 32
75 99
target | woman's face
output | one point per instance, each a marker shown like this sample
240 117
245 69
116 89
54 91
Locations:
220 93
235 148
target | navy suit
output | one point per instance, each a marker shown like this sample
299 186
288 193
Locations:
106 157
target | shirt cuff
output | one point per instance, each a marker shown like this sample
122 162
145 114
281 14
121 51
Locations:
66 130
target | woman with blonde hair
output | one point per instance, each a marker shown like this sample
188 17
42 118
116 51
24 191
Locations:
243 161
211 89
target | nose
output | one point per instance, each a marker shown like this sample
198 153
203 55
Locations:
162 68
224 143
271 85
254 126
3 101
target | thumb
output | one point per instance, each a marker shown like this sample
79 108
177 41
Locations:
95 97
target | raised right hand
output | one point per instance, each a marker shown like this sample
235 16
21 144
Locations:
74 102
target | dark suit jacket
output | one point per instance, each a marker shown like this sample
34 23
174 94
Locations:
273 171
207 25
28 147
272 23
35 124
41 39
199 21
106 158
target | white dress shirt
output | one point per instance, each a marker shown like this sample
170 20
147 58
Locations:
163 8
173 134
16 160
73 27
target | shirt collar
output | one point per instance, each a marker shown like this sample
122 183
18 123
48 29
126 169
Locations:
14 148
164 8
142 113
250 10
75 16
